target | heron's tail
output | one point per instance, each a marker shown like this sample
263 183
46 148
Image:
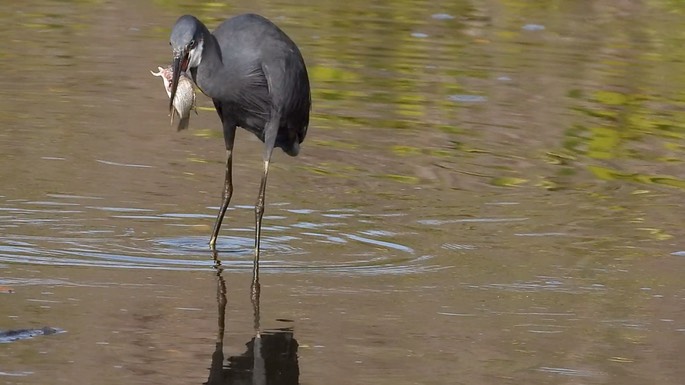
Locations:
293 149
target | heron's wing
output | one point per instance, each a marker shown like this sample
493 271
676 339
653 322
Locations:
254 91
288 84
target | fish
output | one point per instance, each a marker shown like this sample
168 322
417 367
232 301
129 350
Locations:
184 101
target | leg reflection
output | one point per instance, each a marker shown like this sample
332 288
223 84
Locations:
255 291
270 357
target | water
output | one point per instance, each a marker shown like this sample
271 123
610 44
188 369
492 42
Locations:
489 193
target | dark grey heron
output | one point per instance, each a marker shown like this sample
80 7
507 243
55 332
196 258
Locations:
257 79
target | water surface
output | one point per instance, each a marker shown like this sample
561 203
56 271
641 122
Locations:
490 192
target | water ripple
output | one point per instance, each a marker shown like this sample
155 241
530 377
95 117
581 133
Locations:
302 241
568 371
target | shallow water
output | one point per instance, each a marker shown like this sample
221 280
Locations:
489 193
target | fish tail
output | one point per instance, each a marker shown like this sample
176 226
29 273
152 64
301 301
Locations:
183 123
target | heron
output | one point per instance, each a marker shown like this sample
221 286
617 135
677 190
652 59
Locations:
257 79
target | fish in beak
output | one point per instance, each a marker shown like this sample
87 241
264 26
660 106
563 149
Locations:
184 100
180 64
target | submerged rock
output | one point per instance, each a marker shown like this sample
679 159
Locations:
22 334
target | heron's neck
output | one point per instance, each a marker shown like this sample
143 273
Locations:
210 65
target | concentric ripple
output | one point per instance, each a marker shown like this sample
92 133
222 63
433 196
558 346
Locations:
65 232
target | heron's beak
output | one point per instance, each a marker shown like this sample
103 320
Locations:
180 65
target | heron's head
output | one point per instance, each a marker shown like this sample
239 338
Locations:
187 40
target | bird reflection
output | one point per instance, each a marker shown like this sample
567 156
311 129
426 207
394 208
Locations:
270 357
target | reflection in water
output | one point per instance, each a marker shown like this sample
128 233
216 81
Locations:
270 358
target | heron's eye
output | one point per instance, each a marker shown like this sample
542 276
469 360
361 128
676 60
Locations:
191 44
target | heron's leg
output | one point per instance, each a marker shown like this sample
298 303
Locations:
269 141
259 211
229 136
